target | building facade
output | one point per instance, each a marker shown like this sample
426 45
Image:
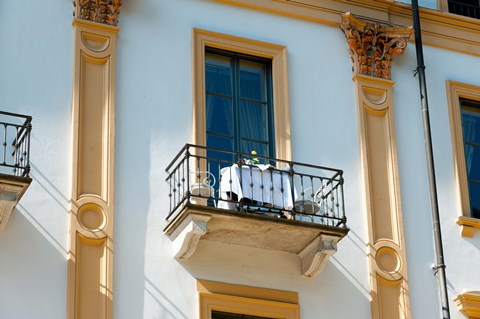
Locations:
236 159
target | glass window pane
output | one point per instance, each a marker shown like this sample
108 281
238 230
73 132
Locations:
218 74
471 126
219 115
253 121
220 142
474 189
236 105
472 160
252 80
249 146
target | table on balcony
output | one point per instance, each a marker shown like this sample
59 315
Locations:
259 185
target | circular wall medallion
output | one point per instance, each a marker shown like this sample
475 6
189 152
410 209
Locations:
388 260
91 217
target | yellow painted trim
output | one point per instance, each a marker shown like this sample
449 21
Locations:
214 287
246 300
90 262
281 105
468 226
95 26
439 29
387 254
469 304
455 91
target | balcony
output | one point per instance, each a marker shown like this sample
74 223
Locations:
254 201
467 8
14 162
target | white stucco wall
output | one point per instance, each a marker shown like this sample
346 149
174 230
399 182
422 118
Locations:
460 253
154 87
316 75
35 79
153 121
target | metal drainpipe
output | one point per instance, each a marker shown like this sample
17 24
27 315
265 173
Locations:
439 267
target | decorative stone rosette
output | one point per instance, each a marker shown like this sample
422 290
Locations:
373 45
100 11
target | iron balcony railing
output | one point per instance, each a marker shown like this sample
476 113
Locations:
464 9
256 185
15 132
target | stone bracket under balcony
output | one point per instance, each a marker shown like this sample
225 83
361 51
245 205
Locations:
312 243
12 189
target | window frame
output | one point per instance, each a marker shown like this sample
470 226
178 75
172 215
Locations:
455 92
202 40
246 300
236 96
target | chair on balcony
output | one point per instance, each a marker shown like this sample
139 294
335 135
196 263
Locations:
202 189
310 203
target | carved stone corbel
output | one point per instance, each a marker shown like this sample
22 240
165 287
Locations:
373 45
186 240
315 255
11 190
100 11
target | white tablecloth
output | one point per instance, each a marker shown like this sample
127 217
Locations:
246 183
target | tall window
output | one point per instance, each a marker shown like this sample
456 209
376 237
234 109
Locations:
239 106
255 76
470 111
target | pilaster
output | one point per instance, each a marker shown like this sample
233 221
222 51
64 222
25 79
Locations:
91 249
372 47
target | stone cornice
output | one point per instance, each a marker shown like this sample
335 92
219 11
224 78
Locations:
373 45
100 11
439 29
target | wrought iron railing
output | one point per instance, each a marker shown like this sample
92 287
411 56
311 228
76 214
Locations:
256 185
464 9
15 134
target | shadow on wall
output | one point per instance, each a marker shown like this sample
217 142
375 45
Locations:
475 241
279 270
45 192
169 308
132 205
32 270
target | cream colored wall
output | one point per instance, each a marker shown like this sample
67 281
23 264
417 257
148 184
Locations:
153 120
460 252
35 79
324 131
156 283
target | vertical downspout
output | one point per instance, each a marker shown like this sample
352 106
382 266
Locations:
440 263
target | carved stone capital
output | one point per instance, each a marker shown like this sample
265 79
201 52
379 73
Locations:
100 11
315 255
373 45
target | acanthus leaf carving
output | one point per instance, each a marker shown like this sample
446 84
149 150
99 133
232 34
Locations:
373 45
100 11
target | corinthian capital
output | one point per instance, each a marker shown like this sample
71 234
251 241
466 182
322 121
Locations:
373 45
100 11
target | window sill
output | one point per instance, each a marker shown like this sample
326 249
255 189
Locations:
468 225
469 304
